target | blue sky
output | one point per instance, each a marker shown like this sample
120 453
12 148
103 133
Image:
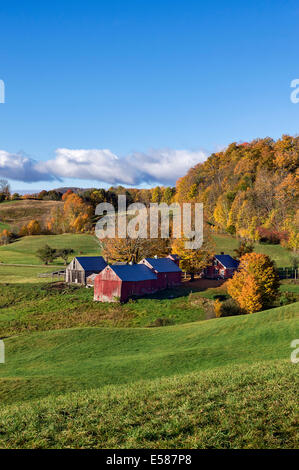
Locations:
135 92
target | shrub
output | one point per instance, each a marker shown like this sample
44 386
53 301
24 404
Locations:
229 308
161 322
217 308
271 236
287 298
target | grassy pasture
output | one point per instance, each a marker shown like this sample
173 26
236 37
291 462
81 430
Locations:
61 361
277 253
17 274
235 406
45 306
23 251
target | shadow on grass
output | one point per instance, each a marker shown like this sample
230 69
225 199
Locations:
187 288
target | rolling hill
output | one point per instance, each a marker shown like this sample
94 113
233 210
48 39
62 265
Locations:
220 383
14 214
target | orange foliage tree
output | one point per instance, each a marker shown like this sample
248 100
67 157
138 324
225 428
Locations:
256 283
32 228
5 237
75 216
133 250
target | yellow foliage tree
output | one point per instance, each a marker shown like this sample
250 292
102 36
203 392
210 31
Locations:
32 228
256 283
133 250
194 260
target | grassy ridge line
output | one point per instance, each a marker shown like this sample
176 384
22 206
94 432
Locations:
59 361
232 407
23 251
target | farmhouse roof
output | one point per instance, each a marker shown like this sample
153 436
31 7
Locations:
163 265
92 263
174 256
227 261
135 272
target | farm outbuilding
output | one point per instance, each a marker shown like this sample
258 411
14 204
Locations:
120 282
90 280
222 267
167 271
174 258
81 267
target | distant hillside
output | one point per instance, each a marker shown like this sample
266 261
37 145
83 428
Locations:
74 189
250 189
14 214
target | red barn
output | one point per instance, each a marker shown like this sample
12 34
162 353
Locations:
120 282
167 271
223 267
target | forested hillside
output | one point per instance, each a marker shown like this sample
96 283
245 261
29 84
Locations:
249 189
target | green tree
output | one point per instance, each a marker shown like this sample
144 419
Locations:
46 254
64 254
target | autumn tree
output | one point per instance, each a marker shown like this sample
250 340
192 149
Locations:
167 195
194 260
156 194
243 248
74 216
134 250
32 228
5 237
256 283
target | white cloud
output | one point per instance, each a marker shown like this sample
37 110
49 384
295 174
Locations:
164 166
21 168
156 166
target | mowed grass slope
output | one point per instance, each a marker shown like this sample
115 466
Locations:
61 361
23 251
246 406
277 253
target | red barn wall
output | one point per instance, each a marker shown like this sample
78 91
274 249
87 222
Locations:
107 286
129 289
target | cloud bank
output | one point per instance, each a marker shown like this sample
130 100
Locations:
102 165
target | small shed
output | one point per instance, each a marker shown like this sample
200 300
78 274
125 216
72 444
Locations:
83 266
90 280
222 267
168 272
120 282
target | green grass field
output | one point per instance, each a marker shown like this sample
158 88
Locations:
277 253
220 383
47 306
17 274
23 251
67 360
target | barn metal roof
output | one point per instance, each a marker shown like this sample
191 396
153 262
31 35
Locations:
163 265
227 261
135 272
92 263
